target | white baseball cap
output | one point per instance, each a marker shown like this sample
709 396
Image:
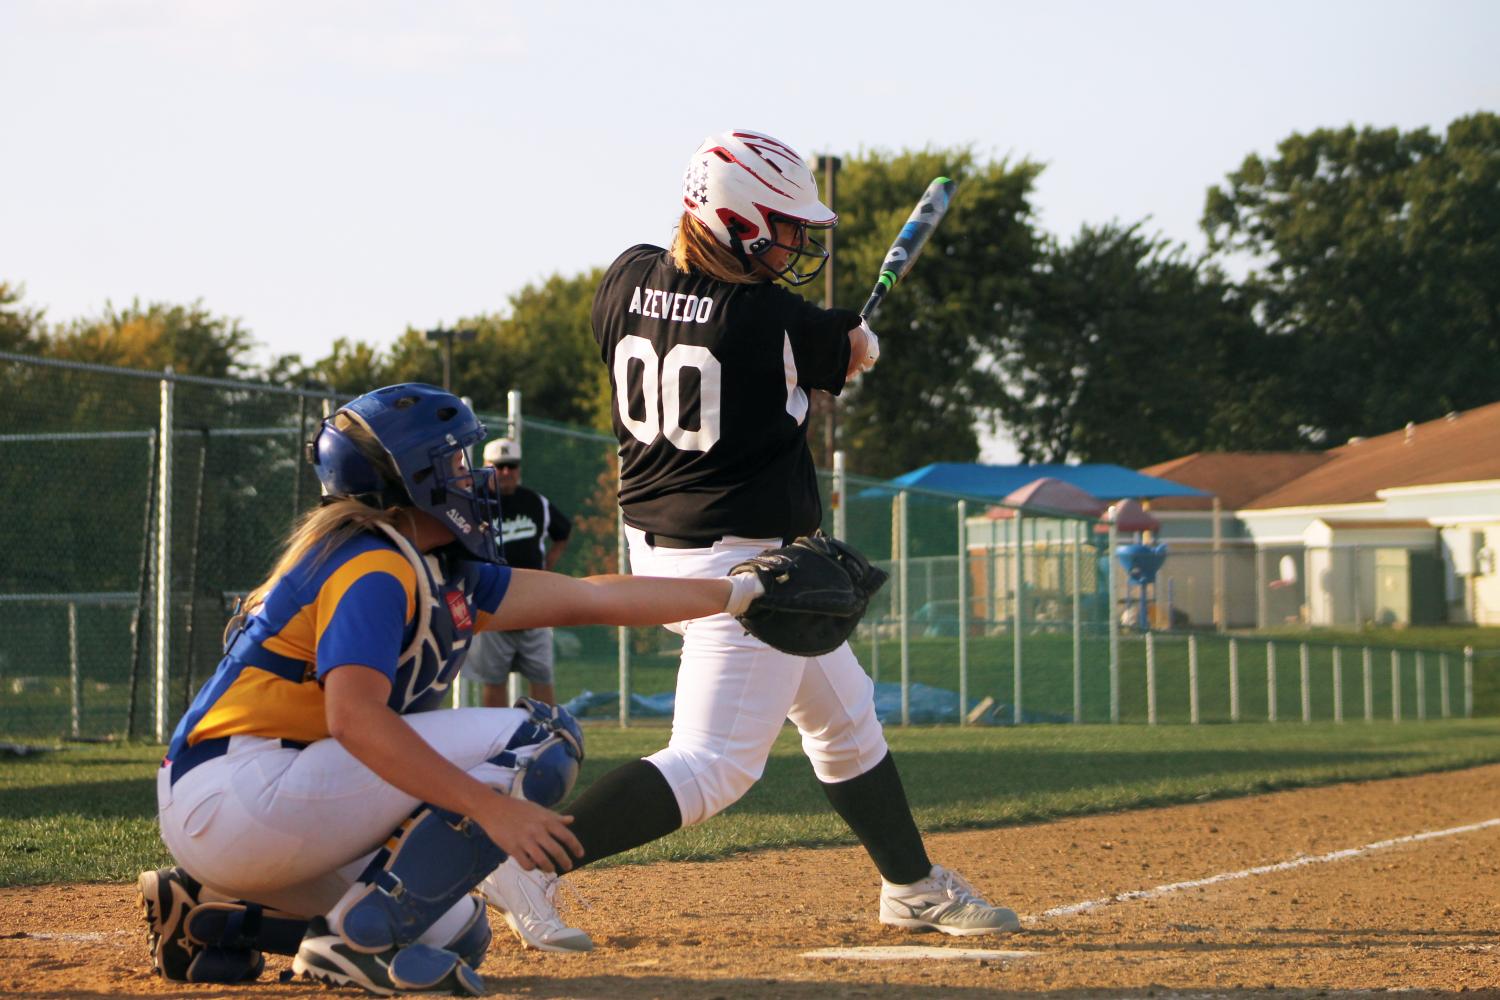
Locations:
502 450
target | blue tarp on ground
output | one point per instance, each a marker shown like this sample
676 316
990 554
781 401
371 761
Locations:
1107 482
927 705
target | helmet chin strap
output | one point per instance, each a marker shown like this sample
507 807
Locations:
737 247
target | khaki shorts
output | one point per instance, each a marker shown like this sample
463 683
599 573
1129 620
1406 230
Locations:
494 656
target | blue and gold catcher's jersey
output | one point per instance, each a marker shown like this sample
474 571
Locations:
363 604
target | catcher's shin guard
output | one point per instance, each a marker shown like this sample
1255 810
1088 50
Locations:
330 959
546 752
437 858
240 925
212 942
472 943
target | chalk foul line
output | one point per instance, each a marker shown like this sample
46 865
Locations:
1280 866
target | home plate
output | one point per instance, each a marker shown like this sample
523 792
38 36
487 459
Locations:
914 953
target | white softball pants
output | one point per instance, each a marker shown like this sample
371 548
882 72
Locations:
734 693
292 829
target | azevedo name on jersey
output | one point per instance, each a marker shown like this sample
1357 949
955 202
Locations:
661 304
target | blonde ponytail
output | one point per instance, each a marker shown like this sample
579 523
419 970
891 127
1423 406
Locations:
337 520
695 249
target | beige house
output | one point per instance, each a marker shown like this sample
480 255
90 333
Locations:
1401 528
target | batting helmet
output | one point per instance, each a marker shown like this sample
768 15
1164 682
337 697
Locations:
424 431
739 183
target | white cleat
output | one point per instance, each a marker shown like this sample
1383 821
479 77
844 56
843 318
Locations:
943 902
528 902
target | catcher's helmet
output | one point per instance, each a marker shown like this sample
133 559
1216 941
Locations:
425 431
739 183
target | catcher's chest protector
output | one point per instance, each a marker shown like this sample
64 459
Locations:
445 624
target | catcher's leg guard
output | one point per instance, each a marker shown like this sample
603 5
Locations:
438 857
239 924
213 942
328 958
472 943
546 752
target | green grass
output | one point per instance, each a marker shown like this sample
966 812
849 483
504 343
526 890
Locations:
88 813
38 708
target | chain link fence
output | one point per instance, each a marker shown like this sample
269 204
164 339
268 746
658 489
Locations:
86 616
991 616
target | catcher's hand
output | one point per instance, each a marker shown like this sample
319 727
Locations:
816 590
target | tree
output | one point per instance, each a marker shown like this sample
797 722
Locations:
353 368
20 328
1124 350
1377 254
189 338
940 328
541 345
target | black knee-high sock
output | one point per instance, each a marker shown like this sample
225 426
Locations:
630 806
875 807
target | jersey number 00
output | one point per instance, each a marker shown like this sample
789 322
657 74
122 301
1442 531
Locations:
661 390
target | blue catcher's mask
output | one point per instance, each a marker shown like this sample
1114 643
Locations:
426 432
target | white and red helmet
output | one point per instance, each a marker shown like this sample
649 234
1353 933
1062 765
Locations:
739 182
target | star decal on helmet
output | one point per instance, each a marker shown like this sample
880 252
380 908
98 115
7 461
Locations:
695 184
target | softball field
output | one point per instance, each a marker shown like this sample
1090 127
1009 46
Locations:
1376 886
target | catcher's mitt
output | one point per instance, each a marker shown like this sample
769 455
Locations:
816 592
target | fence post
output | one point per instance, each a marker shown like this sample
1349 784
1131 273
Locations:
1018 612
1234 680
1113 618
514 428
1151 678
1421 687
963 611
164 559
1368 677
513 424
1338 684
1395 685
1443 684
904 597
74 685
1078 539
1270 681
840 495
622 635
1193 678
1468 682
1304 681
143 573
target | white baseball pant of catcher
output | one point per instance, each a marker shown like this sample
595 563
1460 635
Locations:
734 693
292 829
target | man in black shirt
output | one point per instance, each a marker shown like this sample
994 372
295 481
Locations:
529 521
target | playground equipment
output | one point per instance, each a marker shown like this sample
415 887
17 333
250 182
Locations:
1141 561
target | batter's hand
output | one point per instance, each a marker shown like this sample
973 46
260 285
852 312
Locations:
864 349
535 836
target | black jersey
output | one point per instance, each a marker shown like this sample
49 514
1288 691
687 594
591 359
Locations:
709 382
527 520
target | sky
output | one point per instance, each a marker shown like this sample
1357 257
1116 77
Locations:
329 168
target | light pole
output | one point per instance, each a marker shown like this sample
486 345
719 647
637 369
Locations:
828 166
447 337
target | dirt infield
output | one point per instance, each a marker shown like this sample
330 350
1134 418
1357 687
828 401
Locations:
1419 915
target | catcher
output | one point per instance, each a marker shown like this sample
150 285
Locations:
314 802
711 363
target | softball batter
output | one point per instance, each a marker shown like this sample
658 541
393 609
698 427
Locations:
312 741
710 363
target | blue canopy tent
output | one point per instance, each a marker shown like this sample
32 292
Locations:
995 482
